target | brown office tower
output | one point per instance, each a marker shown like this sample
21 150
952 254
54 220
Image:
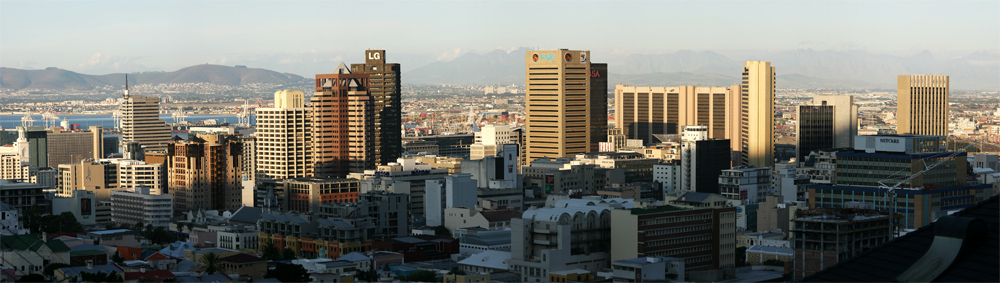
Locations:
558 103
387 142
598 105
923 105
204 172
342 124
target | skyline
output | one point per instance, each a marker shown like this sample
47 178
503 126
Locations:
304 37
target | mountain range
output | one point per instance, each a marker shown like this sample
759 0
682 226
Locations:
59 79
802 68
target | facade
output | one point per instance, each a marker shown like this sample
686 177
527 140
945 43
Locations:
558 103
648 269
310 236
702 160
565 175
598 105
772 214
139 206
141 122
237 238
750 184
10 222
387 211
490 140
98 177
71 146
37 138
307 194
814 129
204 172
132 174
704 237
824 237
22 196
82 204
404 176
922 104
455 190
643 112
463 217
757 114
284 137
247 266
637 167
758 254
386 91
343 124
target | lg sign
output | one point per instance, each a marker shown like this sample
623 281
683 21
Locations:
375 56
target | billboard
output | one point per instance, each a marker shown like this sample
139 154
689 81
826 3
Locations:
85 204
511 157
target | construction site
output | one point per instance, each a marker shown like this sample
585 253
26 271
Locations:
823 237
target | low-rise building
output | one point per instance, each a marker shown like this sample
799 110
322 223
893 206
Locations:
637 167
247 266
648 269
22 196
758 254
749 184
462 217
10 221
237 237
485 262
824 237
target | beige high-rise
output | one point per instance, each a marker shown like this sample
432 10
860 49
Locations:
141 122
284 137
922 105
646 111
557 102
757 114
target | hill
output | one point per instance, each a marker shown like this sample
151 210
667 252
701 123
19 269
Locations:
59 79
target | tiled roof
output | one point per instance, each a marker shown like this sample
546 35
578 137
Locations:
884 263
242 258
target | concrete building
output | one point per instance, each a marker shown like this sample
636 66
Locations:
132 174
642 112
922 104
667 175
476 240
343 124
386 93
558 103
758 254
648 269
573 235
703 237
237 238
389 212
749 184
496 172
141 122
455 190
306 194
831 121
10 221
310 236
82 204
71 146
757 114
702 160
490 139
636 166
37 138
139 206
284 137
824 237
565 175
405 176
486 262
772 214
991 161
22 195
204 172
463 217
790 185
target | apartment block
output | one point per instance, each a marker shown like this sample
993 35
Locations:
284 137
137 205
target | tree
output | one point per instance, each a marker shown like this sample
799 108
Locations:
270 252
288 254
117 258
190 227
34 277
211 263
442 231
419 276
741 256
369 275
286 272
51 268
100 276
32 219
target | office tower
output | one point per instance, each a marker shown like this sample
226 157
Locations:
598 105
757 114
71 146
137 205
284 138
141 122
922 105
490 140
642 112
385 91
558 102
342 128
203 172
702 160
831 121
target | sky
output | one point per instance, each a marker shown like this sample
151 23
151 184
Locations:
98 37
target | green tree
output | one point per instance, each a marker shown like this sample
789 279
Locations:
442 231
286 272
117 258
741 256
270 252
369 275
419 276
32 219
211 263
34 277
288 254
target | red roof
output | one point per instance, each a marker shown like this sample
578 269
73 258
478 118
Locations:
150 275
156 256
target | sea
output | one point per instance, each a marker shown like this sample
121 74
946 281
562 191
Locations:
85 121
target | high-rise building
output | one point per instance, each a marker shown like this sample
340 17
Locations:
831 121
702 160
385 90
757 114
203 173
71 146
558 96
141 122
642 112
284 137
922 105
598 105
343 124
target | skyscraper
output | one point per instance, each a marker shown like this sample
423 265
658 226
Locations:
643 112
284 137
922 105
757 114
558 103
343 124
385 89
141 122
598 105
204 172
831 121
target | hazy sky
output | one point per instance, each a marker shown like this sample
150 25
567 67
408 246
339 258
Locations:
124 36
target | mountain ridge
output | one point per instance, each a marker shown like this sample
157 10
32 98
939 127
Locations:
60 79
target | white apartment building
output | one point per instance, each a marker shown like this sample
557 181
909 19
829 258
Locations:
237 238
133 174
750 184
138 205
284 138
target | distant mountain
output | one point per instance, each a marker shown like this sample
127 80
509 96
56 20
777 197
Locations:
497 66
59 79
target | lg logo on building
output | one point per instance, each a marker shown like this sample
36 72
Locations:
374 56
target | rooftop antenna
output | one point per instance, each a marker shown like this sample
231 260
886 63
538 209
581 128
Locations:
126 85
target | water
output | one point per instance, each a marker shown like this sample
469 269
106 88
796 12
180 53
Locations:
85 121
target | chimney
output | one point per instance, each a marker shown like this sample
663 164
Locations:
90 264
